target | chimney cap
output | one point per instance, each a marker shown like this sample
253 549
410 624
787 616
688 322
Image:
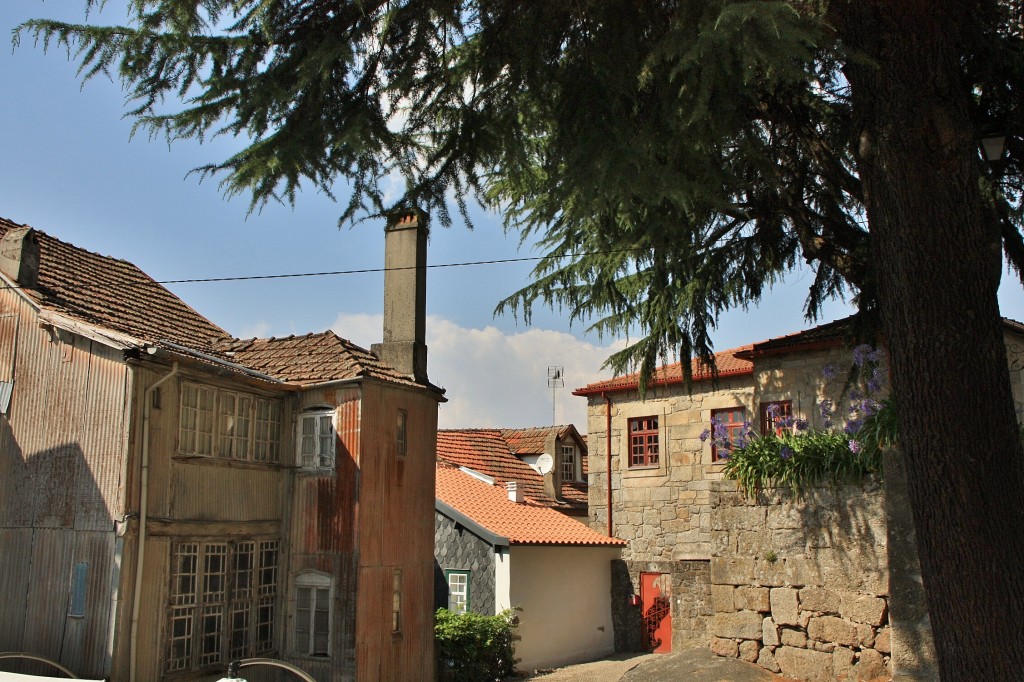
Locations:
406 218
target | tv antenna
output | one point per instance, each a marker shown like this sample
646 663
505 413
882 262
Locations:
556 380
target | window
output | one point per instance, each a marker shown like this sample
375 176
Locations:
196 419
267 431
313 614
233 424
643 441
222 600
396 601
458 591
316 440
79 582
775 416
401 435
732 424
228 424
569 463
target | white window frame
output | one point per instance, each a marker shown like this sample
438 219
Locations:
319 585
458 600
222 601
568 451
249 430
315 458
197 421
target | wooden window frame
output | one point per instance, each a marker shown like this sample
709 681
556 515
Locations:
318 584
212 594
402 433
316 460
249 431
767 423
733 427
465 604
644 439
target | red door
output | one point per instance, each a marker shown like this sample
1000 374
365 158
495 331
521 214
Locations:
655 605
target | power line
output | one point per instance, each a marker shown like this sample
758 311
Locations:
348 272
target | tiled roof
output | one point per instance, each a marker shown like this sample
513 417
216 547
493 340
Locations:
310 359
522 524
114 294
727 362
828 333
532 441
487 451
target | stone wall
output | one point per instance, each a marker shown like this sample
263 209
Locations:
690 602
801 585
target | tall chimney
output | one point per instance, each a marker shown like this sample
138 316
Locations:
19 255
405 294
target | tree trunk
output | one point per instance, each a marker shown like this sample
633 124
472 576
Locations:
938 266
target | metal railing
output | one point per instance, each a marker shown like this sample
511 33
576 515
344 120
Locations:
41 659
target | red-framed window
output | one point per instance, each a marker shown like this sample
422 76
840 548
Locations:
643 441
733 420
774 414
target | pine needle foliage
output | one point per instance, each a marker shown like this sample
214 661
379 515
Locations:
674 158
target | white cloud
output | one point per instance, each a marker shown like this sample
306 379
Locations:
254 330
498 379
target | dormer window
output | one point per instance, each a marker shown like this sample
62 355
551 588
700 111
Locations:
316 439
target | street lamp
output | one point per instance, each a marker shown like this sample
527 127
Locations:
993 146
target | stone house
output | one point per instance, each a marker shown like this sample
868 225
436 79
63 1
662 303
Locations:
657 485
548 463
496 548
172 498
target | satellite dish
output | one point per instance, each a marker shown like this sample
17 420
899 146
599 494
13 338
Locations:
544 463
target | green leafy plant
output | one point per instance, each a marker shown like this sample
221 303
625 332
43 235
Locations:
796 456
473 648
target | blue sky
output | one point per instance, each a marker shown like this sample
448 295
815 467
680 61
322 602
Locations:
70 169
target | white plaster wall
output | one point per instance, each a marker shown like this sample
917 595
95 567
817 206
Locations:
502 580
564 594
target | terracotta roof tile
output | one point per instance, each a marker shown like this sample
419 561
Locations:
488 451
522 524
310 359
114 294
727 362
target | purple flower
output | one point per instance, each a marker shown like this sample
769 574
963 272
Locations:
829 371
854 446
802 425
869 406
773 410
853 426
723 454
826 408
864 354
786 452
704 435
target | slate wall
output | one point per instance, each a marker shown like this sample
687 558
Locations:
457 548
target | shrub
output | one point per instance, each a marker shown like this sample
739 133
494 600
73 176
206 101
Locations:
474 648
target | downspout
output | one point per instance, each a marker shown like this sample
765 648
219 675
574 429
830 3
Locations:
147 408
608 457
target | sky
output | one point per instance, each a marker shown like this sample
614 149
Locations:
71 168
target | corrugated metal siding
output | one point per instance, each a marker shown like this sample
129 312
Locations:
62 453
396 531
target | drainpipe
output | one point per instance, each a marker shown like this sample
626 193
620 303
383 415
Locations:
608 458
147 408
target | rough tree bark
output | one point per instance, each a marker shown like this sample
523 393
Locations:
938 268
